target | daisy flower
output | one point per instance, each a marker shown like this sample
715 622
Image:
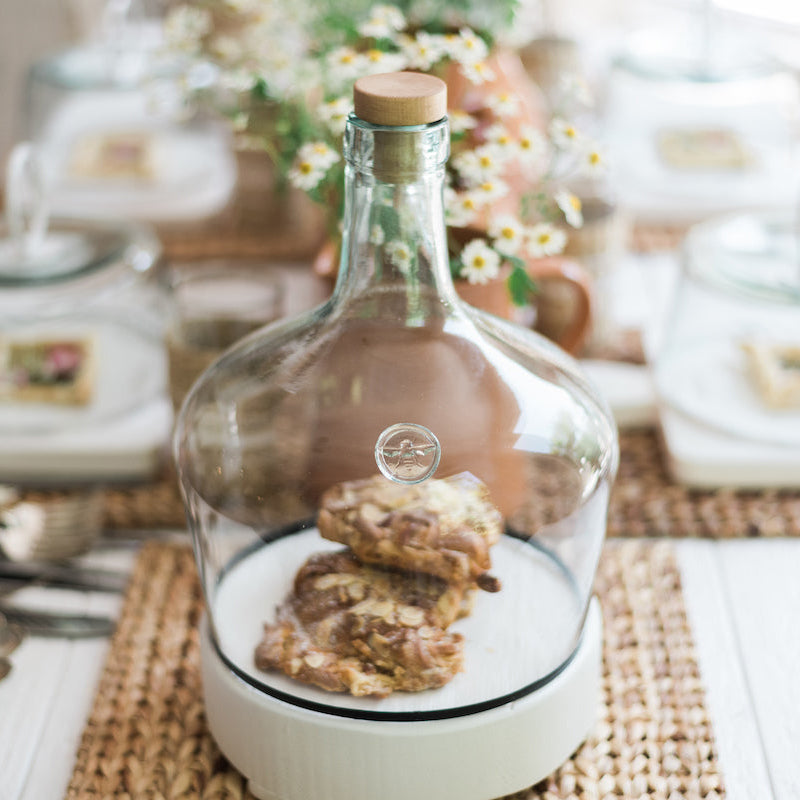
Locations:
481 164
400 255
422 51
508 234
461 208
304 175
570 204
460 121
467 47
375 61
564 134
491 190
344 64
593 161
376 235
480 263
504 104
502 141
312 162
531 145
334 113
545 239
319 154
477 72
383 21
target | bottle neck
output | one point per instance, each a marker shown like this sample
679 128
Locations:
394 247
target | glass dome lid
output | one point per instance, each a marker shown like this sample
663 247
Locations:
397 501
50 266
754 254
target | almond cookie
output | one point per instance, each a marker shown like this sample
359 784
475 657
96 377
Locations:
441 527
349 627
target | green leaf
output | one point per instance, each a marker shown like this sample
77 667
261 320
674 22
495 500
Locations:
520 286
389 221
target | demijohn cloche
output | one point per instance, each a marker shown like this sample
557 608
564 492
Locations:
398 503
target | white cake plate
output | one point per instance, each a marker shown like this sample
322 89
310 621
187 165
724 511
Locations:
293 753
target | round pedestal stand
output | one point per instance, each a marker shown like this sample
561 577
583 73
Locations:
291 753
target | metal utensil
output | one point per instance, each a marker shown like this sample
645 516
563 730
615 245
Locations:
57 624
65 576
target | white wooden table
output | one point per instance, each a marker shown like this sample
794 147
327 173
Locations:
742 598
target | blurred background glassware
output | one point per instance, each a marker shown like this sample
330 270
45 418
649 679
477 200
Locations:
71 284
213 305
702 118
116 140
736 304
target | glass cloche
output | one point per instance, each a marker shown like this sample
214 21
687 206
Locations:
728 370
81 316
109 119
398 503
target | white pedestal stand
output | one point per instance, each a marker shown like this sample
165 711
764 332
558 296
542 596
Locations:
291 753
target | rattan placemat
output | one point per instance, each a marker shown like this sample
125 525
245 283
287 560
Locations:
644 502
147 736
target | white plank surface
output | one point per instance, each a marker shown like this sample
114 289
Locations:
743 602
762 585
717 645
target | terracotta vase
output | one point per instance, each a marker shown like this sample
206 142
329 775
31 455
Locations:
562 310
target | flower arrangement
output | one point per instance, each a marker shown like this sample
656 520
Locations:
283 74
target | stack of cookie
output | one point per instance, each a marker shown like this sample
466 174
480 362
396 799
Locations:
373 618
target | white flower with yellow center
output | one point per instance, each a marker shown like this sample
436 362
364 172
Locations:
226 49
334 113
319 154
467 47
481 164
480 263
507 233
344 64
593 161
376 235
490 190
564 134
503 104
460 121
478 72
383 22
545 239
400 255
499 137
423 50
375 61
304 175
531 145
461 208
313 160
571 205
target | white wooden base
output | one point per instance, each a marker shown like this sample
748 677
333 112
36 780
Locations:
290 753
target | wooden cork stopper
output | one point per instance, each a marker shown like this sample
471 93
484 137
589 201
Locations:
400 98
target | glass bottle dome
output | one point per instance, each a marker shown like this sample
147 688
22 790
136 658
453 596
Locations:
397 503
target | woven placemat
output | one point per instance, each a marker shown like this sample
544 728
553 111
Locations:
147 734
644 502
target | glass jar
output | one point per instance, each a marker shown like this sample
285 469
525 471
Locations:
398 503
